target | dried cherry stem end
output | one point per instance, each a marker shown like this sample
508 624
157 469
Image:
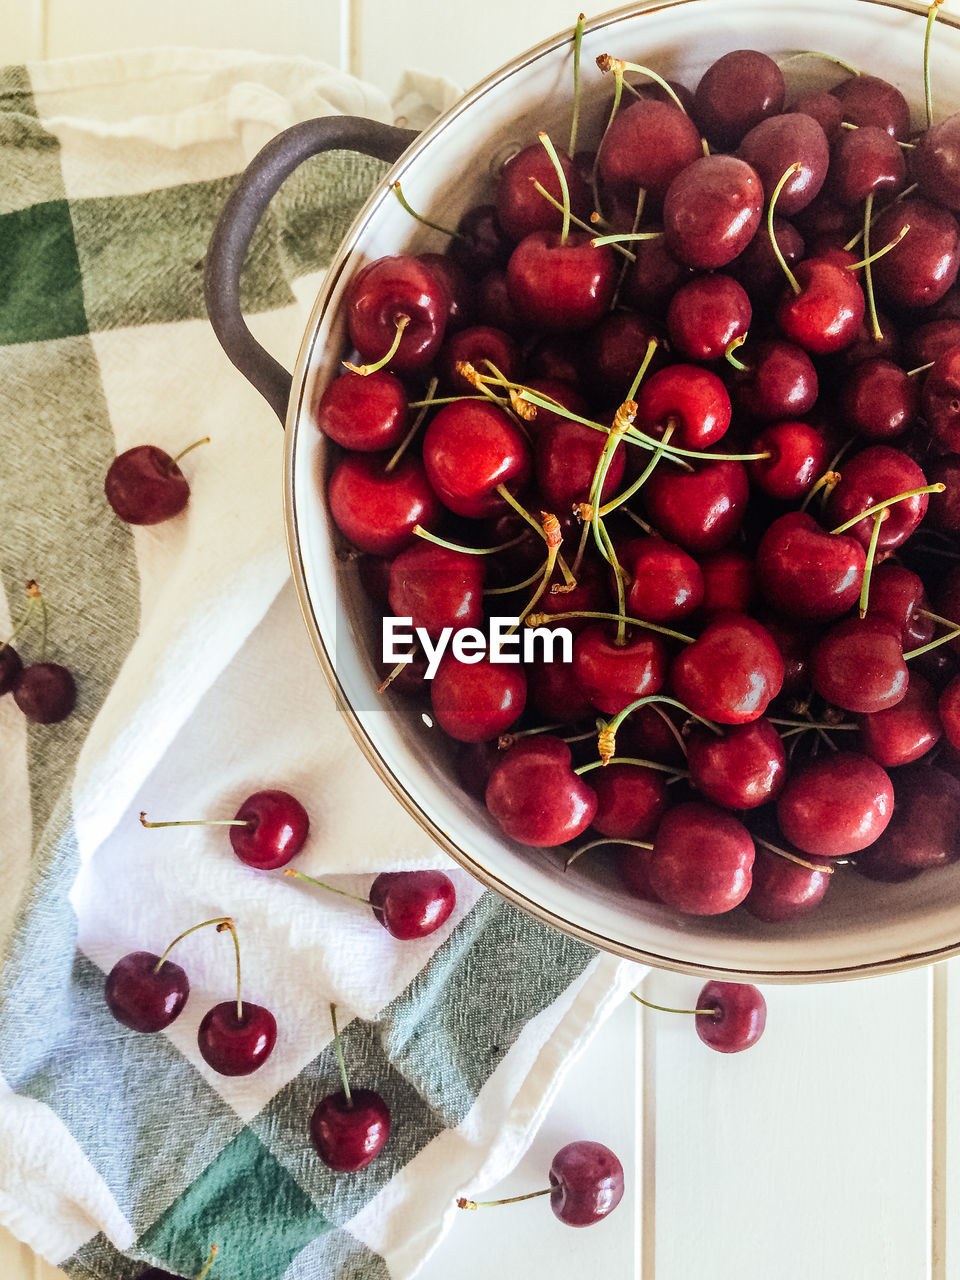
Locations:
214 1250
217 920
508 740
366 369
828 481
713 1011
340 1062
464 1203
792 857
299 875
551 530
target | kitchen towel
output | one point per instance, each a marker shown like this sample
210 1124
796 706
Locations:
197 685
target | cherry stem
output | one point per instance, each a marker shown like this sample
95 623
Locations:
713 1011
921 368
642 371
792 857
366 369
934 644
581 546
214 1250
606 63
578 222
868 273
562 179
869 261
467 551
615 106
508 740
198 822
887 502
927 38
593 844
611 557
607 737
299 875
183 453
622 420
640 481
575 118
228 924
641 764
508 497
417 423
339 1048
551 527
540 619
463 1203
935 617
218 920
731 348
794 168
878 520
516 586
33 595
435 226
827 57
625 237
812 724
829 480
385 684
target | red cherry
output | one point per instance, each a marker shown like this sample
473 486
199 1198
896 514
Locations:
412 904
377 509
879 400
469 449
437 588
940 401
729 581
142 997
646 145
866 161
276 832
702 859
858 665
868 100
690 399
144 485
476 701
923 266
380 295
237 1044
731 672
836 804
348 1135
799 452
630 801
364 412
45 692
536 797
949 708
743 768
807 573
611 675
706 314
476 345
666 583
587 1182
735 93
780 141
712 210
521 209
779 381
565 459
741 1015
558 286
905 732
11 664
878 473
935 164
702 509
826 314
782 890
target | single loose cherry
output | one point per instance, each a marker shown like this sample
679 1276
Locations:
145 992
350 1127
236 1042
45 692
412 904
586 1180
144 485
269 828
739 1017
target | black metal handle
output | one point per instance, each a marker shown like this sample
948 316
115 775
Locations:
241 215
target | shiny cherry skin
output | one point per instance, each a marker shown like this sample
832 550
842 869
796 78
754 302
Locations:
899 594
611 675
836 804
376 509
587 1183
521 209
536 797
236 1046
476 701
878 400
436 587
348 1136
565 459
692 400
827 312
735 93
276 832
630 801
469 449
145 486
412 904
779 382
702 859
935 164
740 1018
940 401
379 295
807 573
143 998
741 769
905 732
780 141
646 145
11 664
858 665
731 672
702 509
45 692
706 314
877 473
711 211
475 345
868 100
926 821
824 108
924 264
561 287
782 890
866 161
799 452
666 583
366 413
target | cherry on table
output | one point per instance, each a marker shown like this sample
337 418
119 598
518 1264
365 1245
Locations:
269 828
739 1017
144 485
236 1037
350 1127
146 992
586 1184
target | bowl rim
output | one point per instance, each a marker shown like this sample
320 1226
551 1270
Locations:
295 418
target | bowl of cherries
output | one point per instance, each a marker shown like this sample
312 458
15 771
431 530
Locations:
622 479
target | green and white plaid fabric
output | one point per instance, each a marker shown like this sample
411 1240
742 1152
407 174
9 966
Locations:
197 685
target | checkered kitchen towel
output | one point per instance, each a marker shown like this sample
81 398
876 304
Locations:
196 686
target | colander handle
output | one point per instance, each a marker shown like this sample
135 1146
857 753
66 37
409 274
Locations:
241 215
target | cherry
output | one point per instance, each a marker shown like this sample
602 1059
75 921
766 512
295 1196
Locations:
782 890
586 1181
798 453
349 1128
836 804
144 992
928 342
731 672
645 146
476 345
565 459
735 93
807 573
898 594
702 509
615 349
758 268
561 286
412 904
706 315
364 413
878 399
712 210
794 640
437 587
655 277
905 732
45 692
460 291
666 585
378 509
630 801
11 664
480 244
878 473
632 866
858 665
380 296
924 264
236 1041
521 209
935 164
744 768
824 108
866 161
553 689
925 830
776 380
269 828
144 485
702 859
778 142
536 797
940 402
868 100
564 393
739 1017
613 675
470 448
826 313
494 306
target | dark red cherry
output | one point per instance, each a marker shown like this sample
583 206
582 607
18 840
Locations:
536 797
836 804
868 100
236 1045
473 701
931 340
826 314
460 291
858 665
565 459
943 513
874 475
712 210
805 572
412 904
377 509
611 675
905 732
794 639
735 93
940 402
923 266
778 142
587 1182
11 664
925 829
386 290
481 245
729 581
476 345
702 859
615 349
632 866
799 452
654 278
145 486
142 997
949 711
348 1135
277 830
898 594
935 164
739 1020
779 381
521 209
646 145
731 672
782 890
630 801
666 582
740 769
364 412
702 509
706 315
824 108
436 587
559 287
758 268
878 400
45 692
553 689
469 449
866 161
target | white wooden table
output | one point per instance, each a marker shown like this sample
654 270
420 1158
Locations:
832 1149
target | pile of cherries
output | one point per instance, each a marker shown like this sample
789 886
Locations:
694 395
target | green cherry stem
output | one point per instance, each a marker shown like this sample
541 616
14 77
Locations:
640 481
562 179
927 82
811 724
435 226
299 875
578 222
878 520
662 1008
880 253
794 168
934 644
217 920
427 536
189 449
517 586
935 617
417 424
887 502
641 373
792 857
595 844
214 1250
340 1062
829 480
366 369
508 497
868 273
464 1203
607 738
540 619
227 923
551 529
921 368
728 355
625 237
575 117
827 57
640 764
